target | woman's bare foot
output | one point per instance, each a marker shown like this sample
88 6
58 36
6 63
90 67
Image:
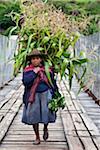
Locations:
36 142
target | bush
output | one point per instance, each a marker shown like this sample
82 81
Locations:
81 10
5 9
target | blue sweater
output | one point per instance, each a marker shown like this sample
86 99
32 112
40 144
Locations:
28 79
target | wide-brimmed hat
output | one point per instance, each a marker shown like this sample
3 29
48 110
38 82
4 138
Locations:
35 52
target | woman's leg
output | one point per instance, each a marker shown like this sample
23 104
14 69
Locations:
45 135
45 126
36 130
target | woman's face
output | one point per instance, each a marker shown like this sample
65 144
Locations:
36 61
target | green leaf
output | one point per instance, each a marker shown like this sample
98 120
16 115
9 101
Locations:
59 53
32 44
75 38
47 67
29 42
71 73
12 30
63 67
45 40
82 61
82 54
40 48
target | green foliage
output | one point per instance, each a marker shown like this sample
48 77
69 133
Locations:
81 10
57 102
6 8
93 27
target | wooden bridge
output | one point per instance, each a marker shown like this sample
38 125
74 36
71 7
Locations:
77 126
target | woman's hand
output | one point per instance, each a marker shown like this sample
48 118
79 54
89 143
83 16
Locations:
36 69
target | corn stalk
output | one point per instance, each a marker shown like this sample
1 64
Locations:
48 30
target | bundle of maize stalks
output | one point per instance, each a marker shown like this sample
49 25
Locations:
44 27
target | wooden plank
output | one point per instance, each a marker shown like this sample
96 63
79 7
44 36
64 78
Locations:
11 101
69 104
30 127
10 93
93 129
94 115
73 140
31 138
80 126
92 110
78 105
30 143
48 144
33 148
90 113
30 132
7 107
8 119
7 97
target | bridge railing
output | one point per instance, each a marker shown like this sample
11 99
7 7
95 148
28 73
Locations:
91 45
7 49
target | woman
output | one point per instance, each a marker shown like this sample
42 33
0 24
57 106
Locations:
37 94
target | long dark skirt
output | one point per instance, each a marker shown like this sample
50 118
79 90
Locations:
38 111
